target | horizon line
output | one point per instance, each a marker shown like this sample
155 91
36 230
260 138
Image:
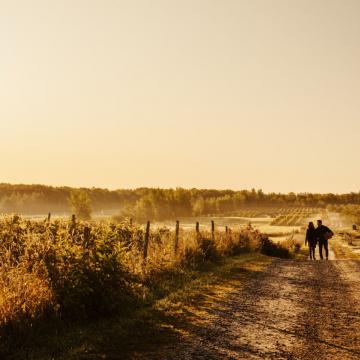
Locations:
177 187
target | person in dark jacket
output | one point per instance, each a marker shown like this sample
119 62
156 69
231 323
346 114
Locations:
311 239
323 234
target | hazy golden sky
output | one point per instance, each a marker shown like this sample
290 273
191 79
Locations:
194 93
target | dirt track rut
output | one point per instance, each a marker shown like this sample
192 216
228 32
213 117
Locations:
291 310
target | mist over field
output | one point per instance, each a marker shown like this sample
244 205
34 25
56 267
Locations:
157 203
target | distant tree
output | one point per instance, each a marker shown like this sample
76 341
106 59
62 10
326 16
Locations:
145 209
81 204
155 203
198 206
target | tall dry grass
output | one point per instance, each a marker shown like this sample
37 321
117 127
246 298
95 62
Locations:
74 271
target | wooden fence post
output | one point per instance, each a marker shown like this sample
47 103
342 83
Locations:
49 217
87 233
146 240
212 229
177 231
197 229
131 222
73 224
226 230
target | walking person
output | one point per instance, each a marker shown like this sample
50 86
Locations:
311 240
323 234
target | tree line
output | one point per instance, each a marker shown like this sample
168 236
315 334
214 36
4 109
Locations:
156 203
351 211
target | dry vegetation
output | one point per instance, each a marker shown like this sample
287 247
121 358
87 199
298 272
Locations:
346 244
76 271
65 273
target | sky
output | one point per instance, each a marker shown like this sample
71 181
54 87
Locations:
220 94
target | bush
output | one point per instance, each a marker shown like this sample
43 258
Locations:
25 297
270 248
54 268
80 271
89 282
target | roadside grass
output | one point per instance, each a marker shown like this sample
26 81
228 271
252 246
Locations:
180 308
72 290
302 253
343 250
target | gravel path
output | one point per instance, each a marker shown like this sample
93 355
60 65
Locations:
291 310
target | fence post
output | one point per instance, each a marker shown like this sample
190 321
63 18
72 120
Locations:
147 238
131 222
177 230
226 230
212 229
87 232
73 224
197 228
49 217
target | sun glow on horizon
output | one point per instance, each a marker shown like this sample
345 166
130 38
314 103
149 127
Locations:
206 94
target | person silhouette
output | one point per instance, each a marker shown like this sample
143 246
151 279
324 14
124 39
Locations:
323 234
311 239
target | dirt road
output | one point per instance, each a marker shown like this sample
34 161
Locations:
292 310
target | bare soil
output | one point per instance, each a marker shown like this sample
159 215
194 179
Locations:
291 310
